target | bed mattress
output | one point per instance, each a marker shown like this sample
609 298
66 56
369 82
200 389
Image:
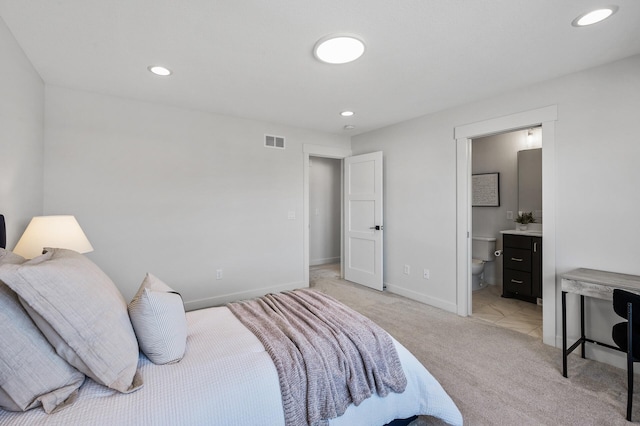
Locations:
227 378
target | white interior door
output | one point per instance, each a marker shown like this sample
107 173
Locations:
363 219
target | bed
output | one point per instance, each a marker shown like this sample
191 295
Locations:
224 374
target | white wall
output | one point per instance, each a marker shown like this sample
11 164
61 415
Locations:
597 173
179 193
324 210
21 137
419 208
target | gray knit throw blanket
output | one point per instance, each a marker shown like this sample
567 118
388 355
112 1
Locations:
326 354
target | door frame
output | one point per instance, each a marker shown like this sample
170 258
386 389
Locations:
309 150
545 117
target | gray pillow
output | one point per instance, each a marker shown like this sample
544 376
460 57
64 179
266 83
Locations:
9 257
157 315
31 374
82 314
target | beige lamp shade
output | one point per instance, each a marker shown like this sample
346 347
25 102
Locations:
52 231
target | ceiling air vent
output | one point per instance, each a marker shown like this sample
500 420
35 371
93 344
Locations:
274 141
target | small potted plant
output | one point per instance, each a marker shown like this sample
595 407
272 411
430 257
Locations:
524 219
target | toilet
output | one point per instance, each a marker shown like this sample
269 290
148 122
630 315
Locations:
482 251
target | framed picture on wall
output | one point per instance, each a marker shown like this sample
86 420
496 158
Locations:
486 190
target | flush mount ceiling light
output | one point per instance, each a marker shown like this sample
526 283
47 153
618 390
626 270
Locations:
338 48
349 127
159 70
594 16
347 113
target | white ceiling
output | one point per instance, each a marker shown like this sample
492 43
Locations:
253 58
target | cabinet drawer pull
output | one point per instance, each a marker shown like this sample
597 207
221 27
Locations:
516 281
515 259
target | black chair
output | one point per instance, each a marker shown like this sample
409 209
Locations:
3 233
627 334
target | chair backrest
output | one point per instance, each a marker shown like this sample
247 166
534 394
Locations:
620 300
3 233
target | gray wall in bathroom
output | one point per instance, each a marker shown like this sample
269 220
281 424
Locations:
491 154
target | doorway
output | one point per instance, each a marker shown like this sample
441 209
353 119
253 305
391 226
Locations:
513 159
325 182
546 118
361 206
310 151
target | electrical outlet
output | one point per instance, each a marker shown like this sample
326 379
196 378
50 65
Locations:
426 274
291 215
218 274
509 215
407 269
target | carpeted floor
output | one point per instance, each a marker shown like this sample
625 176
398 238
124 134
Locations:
496 376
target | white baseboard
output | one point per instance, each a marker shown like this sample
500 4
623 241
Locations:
223 299
438 303
316 262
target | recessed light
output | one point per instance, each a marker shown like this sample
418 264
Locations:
347 113
349 127
594 16
159 70
338 48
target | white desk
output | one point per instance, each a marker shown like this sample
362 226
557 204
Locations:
595 284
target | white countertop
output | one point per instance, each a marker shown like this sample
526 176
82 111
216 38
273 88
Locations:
529 232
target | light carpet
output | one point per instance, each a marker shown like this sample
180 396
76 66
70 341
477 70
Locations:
496 376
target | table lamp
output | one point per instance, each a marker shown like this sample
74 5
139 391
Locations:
52 231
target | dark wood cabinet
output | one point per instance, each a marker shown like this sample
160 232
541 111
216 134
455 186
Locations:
522 267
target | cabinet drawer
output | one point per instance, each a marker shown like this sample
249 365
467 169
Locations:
517 282
517 241
518 259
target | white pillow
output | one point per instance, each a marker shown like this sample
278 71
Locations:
158 318
82 314
31 374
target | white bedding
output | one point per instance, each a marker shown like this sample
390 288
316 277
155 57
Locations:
227 378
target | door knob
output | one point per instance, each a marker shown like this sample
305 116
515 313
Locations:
377 227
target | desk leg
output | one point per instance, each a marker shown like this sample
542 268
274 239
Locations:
582 336
564 333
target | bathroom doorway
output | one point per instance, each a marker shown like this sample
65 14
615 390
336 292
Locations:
498 157
463 134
